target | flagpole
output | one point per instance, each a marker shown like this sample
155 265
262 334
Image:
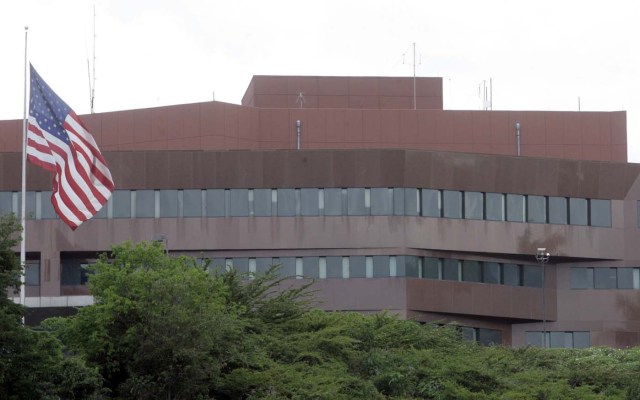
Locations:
23 218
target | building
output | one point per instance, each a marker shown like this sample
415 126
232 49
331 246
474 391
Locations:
428 213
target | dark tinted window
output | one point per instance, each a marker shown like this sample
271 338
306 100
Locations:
334 267
72 272
494 208
169 203
560 340
6 202
533 338
263 264
215 203
398 201
536 209
382 201
32 273
412 266
452 201
531 276
288 266
582 278
473 205
238 202
286 202
625 278
450 269
488 337
581 340
511 274
311 267
578 211
411 202
431 205
192 203
604 278
357 267
333 201
515 207
145 204
48 212
600 212
431 268
471 271
241 264
355 201
262 202
309 202
380 266
491 272
558 212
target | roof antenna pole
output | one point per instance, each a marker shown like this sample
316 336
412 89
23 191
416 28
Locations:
414 76
92 83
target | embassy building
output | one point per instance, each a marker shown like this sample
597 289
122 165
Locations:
425 212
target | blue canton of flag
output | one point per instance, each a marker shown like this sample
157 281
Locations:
58 142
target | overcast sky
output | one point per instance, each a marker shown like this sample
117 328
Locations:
541 55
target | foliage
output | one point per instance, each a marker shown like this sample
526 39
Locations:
32 365
165 327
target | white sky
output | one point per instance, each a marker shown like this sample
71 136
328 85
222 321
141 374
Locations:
541 55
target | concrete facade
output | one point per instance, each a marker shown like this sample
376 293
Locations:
382 163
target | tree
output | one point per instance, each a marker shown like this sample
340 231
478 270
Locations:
32 364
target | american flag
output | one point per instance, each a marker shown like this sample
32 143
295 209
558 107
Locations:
58 142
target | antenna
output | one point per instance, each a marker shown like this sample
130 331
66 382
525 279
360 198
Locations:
92 74
300 100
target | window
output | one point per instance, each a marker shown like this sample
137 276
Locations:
398 201
489 337
241 264
561 339
73 272
215 203
238 202
382 201
451 269
356 201
625 278
380 266
309 205
473 205
452 203
145 204
287 266
357 267
600 212
471 271
605 278
412 266
32 273
411 202
334 267
333 201
531 276
558 212
511 274
431 204
48 212
6 202
263 264
169 203
491 272
192 203
310 267
431 268
515 207
536 209
262 202
581 278
286 202
494 208
121 204
578 211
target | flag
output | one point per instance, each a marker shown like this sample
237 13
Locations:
58 142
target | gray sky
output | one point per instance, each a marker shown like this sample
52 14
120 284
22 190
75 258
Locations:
541 55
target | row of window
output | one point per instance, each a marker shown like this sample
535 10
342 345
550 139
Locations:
172 203
567 339
484 336
605 278
347 267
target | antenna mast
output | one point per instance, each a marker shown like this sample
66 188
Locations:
92 76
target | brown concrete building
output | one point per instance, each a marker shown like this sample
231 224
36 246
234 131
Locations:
425 212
